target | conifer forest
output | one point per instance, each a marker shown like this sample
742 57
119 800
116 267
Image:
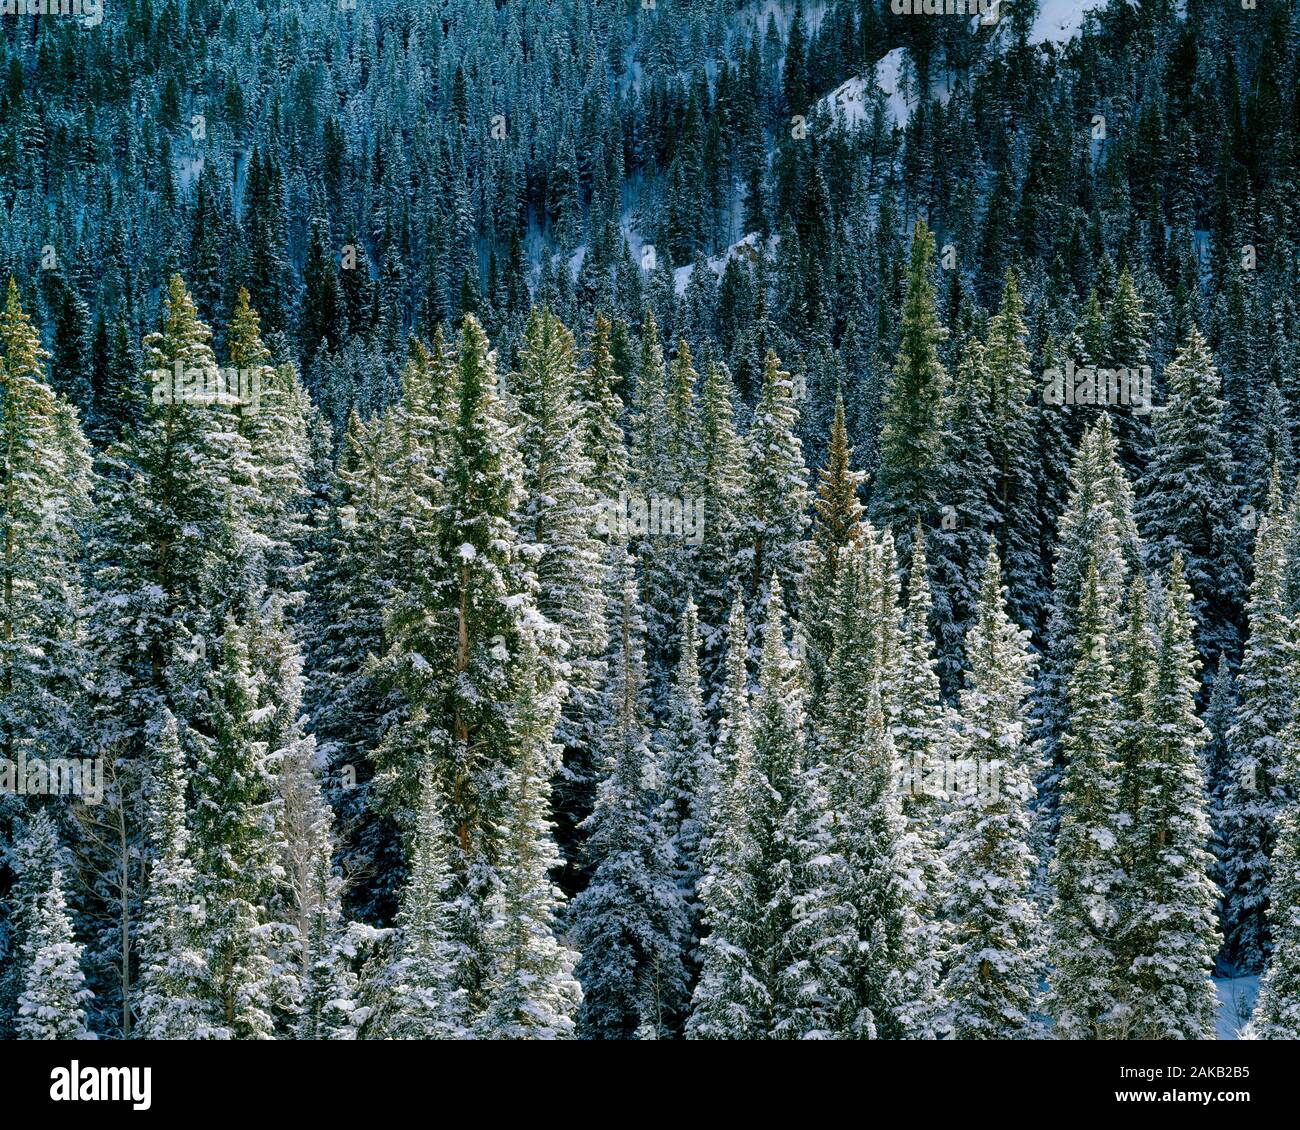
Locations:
649 519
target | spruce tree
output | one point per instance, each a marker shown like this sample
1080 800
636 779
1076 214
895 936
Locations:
911 442
1085 869
686 770
837 524
1277 1008
630 922
173 970
776 509
993 952
44 502
874 918
1187 501
1170 901
1011 437
420 1000
53 1002
531 991
727 1000
1256 790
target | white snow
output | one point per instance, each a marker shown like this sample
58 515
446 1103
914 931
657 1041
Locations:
748 247
1236 1002
848 101
1059 21
892 73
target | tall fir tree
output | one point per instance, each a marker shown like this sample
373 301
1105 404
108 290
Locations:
1256 789
726 1001
994 951
53 1002
173 968
907 487
1187 499
630 922
1169 922
1085 871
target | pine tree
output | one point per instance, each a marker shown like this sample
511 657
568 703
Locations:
170 568
455 657
32 859
911 441
1170 903
922 727
992 960
44 488
52 1004
1187 502
837 524
557 524
1011 437
771 798
420 1001
874 918
776 511
727 1000
1256 790
170 999
1096 530
275 416
969 480
1085 869
311 902
237 842
630 922
724 483
1277 1008
687 772
1127 346
531 989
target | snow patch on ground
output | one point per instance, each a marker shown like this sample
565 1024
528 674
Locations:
892 76
1059 21
1236 1002
848 102
748 247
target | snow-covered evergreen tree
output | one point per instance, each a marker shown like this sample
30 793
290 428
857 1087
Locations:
873 915
727 998
994 949
170 1000
1277 1008
531 991
686 777
1168 915
420 1000
1187 500
911 441
54 996
1256 789
1085 870
630 922
776 505
837 523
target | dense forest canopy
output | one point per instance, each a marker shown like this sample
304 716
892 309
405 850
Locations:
649 519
